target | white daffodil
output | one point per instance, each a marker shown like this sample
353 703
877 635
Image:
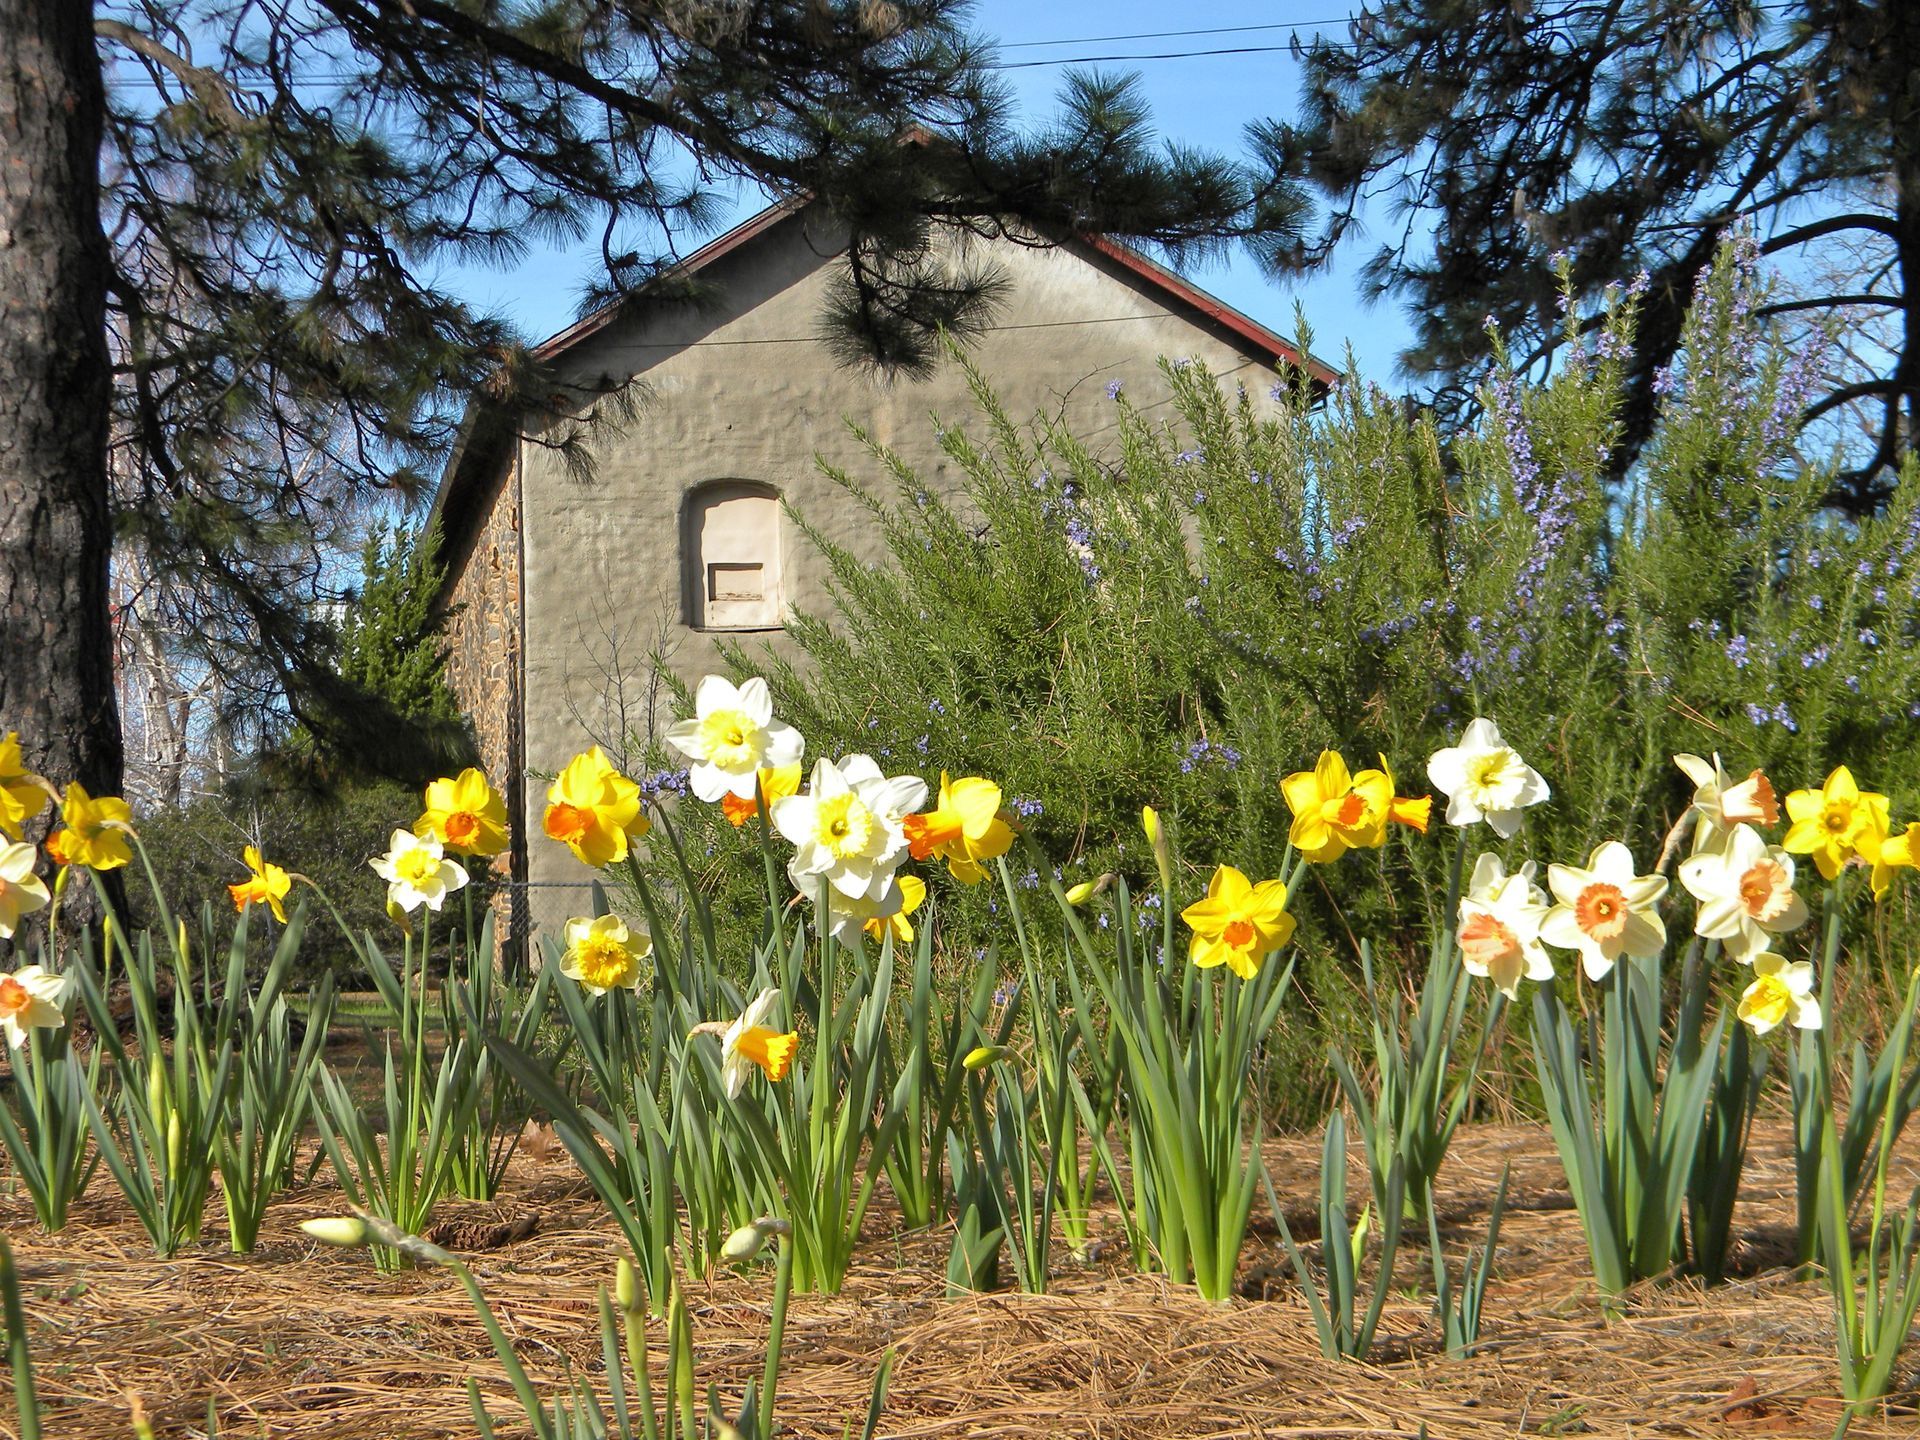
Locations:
1483 778
1721 805
604 954
750 1043
417 872
732 737
31 997
1779 992
1605 911
1745 892
1499 932
849 915
21 891
847 826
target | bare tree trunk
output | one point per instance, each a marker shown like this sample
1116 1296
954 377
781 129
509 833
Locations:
56 646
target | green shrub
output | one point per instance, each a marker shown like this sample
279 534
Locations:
1191 614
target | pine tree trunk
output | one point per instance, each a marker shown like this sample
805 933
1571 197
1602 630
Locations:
56 651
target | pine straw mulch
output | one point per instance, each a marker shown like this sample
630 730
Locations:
299 1341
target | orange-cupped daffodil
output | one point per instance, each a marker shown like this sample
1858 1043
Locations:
963 828
1335 811
1239 924
265 885
465 815
594 810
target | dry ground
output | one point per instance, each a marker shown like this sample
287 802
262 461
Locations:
299 1341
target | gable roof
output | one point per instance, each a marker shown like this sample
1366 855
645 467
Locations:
486 430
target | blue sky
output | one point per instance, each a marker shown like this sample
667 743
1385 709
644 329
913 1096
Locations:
1201 100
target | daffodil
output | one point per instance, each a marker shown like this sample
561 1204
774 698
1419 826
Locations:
1499 926
97 829
417 872
604 954
57 848
1334 811
1779 992
1836 822
1721 804
1239 924
775 784
749 1043
1484 778
465 815
732 737
265 885
913 891
31 998
1745 893
963 828
1901 852
594 810
21 797
848 826
1605 910
21 891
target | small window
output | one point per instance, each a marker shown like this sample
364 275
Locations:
733 557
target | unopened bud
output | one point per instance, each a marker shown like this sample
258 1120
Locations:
1150 822
1083 892
746 1242
626 1287
337 1230
982 1056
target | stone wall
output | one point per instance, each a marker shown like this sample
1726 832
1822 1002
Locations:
484 632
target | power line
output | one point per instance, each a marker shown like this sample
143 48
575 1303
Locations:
1175 34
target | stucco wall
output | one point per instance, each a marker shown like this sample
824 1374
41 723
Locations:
747 392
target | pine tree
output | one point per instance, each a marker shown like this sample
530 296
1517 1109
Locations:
1631 135
285 183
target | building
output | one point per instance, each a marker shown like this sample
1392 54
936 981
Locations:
564 585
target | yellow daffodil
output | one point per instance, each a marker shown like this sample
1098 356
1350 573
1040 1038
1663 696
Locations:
465 815
775 784
594 810
1779 992
21 891
1835 822
96 833
266 885
21 797
1239 924
1901 852
963 828
604 954
749 1043
1334 811
913 890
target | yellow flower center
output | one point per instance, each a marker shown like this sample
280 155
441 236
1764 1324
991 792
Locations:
461 828
728 738
1768 999
1493 779
769 1049
568 824
603 961
14 997
843 825
1836 817
414 866
1765 891
1601 911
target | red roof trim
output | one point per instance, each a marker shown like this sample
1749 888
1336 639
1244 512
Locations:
589 325
1218 311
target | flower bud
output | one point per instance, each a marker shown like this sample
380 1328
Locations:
337 1230
626 1287
982 1056
1083 892
1150 822
746 1242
